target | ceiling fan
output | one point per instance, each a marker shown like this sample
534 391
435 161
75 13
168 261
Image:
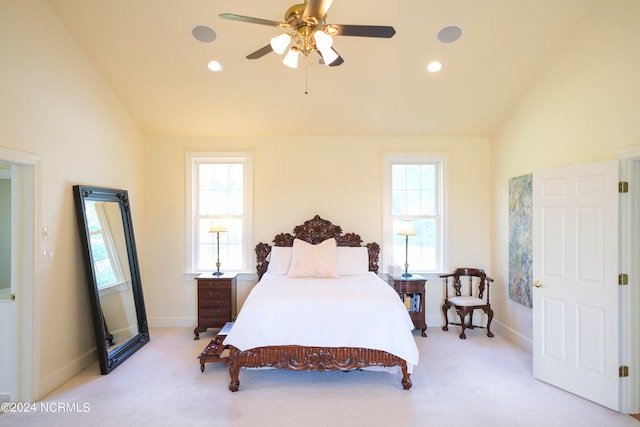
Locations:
307 32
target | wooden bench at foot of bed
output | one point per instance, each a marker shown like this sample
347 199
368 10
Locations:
302 358
214 350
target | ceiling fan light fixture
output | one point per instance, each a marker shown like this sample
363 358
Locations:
329 55
291 59
308 32
323 41
280 43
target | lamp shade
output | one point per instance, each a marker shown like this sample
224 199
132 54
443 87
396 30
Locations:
291 59
329 55
217 228
406 228
280 43
323 40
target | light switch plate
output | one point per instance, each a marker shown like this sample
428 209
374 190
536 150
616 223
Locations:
47 256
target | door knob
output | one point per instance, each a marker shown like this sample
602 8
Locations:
537 284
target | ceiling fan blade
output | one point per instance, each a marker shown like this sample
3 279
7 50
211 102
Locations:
234 17
384 32
316 9
337 62
260 52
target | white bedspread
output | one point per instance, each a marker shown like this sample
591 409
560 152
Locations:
349 311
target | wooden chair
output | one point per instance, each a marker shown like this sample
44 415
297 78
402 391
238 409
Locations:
471 286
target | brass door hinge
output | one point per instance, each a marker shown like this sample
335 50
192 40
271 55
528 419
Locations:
623 279
623 187
623 371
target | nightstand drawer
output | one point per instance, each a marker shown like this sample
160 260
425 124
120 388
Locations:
212 322
222 312
410 287
214 294
209 303
214 285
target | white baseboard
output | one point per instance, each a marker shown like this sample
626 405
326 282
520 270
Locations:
434 321
513 336
496 327
68 371
172 322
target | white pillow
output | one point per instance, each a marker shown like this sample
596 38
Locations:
352 261
279 259
309 260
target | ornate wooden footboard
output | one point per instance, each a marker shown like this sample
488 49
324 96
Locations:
300 358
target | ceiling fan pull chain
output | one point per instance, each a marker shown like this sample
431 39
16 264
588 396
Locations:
306 77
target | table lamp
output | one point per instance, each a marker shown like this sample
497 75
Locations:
216 228
406 229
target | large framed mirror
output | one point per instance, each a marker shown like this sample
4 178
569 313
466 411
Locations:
113 274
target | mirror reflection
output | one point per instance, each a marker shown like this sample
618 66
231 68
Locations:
113 277
111 265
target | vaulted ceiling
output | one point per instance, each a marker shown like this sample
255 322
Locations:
147 54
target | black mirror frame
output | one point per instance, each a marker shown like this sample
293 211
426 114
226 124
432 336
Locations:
110 360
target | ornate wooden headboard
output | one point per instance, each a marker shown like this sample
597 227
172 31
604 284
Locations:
314 231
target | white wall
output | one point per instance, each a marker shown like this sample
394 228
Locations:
53 103
338 178
581 109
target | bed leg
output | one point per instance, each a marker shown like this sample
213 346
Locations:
234 384
406 382
406 378
234 370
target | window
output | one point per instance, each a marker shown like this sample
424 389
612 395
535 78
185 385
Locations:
106 262
220 193
414 189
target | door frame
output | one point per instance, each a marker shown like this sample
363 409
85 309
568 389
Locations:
25 268
629 158
7 306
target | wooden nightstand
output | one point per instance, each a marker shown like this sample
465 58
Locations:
216 301
412 292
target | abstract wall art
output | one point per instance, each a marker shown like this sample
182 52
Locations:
520 239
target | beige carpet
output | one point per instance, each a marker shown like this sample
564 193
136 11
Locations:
478 382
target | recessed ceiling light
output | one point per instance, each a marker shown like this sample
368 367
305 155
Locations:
214 66
449 34
434 66
204 34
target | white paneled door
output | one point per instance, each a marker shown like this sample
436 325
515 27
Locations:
575 273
